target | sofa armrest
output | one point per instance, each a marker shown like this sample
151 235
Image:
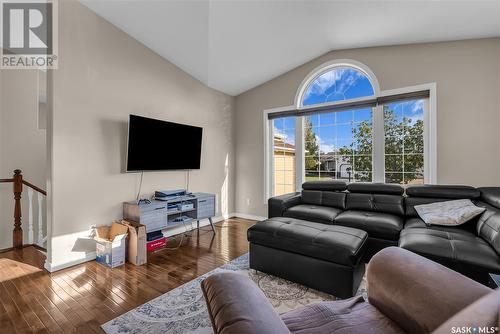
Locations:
236 305
417 293
279 204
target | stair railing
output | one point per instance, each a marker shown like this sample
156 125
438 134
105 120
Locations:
17 233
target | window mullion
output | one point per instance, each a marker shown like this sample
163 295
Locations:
378 151
300 173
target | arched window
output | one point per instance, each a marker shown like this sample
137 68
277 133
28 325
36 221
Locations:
338 84
337 81
343 127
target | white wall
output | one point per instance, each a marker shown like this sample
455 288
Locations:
104 75
467 74
22 145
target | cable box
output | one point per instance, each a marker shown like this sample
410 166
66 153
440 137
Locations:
151 236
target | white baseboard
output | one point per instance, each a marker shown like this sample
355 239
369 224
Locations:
168 233
248 216
90 256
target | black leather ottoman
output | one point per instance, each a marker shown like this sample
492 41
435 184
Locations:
322 257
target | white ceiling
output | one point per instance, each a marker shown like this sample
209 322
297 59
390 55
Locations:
233 46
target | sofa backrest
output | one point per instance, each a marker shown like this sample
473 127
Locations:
378 197
327 193
488 226
425 194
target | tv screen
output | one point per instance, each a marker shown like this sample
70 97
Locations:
155 145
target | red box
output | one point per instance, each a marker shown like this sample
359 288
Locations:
156 244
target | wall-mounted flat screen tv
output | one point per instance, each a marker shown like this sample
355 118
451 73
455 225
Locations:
155 145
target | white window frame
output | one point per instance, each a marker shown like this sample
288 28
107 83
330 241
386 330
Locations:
430 127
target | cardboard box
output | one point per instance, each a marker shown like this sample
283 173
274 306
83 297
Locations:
136 249
111 244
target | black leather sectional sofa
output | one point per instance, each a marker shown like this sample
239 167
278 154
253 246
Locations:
386 212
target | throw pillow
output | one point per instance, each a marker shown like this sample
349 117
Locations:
449 213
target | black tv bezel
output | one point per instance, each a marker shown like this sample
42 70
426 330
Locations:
127 170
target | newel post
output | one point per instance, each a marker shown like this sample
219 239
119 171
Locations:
18 189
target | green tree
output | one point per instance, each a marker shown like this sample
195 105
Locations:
403 148
311 146
358 154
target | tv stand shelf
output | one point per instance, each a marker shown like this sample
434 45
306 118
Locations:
156 216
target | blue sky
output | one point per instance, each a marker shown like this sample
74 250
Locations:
341 83
334 130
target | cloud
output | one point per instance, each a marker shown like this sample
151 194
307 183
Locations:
414 110
288 138
335 82
417 106
324 146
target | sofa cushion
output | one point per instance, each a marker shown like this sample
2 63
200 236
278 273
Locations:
354 316
375 188
375 202
419 223
333 185
326 198
415 223
378 225
411 202
488 227
491 195
450 213
426 194
337 244
443 191
459 250
315 213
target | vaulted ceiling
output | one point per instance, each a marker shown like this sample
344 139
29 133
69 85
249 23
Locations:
233 46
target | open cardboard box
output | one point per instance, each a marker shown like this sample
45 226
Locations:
136 253
111 244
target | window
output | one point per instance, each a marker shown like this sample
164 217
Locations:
404 142
342 127
284 155
338 84
338 145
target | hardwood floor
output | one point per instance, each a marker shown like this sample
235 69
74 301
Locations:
81 298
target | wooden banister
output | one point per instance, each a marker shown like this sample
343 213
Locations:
18 189
35 188
17 180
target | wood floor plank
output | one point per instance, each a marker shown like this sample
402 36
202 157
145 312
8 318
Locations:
81 298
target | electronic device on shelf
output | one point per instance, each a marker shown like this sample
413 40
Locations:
169 195
182 219
172 207
155 235
185 206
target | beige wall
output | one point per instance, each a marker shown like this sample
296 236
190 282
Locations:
467 74
104 75
22 145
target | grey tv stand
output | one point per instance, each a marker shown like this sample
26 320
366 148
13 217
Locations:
156 215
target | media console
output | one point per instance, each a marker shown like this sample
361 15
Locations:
159 215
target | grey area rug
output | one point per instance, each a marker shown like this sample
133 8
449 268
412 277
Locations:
183 310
